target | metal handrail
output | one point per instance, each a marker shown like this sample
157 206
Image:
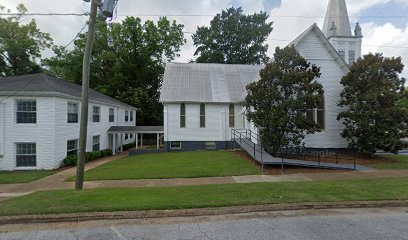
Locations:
234 134
240 137
301 151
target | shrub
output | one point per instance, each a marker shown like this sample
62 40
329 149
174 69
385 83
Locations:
129 146
90 156
70 160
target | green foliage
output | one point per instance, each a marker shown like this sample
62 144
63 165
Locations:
21 43
90 156
374 119
278 101
129 146
234 38
128 62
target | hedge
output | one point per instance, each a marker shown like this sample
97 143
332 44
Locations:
129 146
90 156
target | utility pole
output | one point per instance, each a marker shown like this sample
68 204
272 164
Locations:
79 183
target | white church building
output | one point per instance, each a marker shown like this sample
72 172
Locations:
204 102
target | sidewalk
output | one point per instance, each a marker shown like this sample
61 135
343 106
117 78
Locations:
53 182
56 181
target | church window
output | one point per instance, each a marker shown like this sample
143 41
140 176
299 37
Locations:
342 53
231 116
182 115
202 115
352 56
317 115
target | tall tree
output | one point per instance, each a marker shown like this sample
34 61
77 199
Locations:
128 62
374 118
234 38
20 44
278 102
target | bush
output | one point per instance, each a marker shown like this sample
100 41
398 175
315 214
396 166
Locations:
70 160
129 146
90 156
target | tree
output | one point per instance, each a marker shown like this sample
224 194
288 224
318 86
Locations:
128 62
374 119
21 45
278 102
234 38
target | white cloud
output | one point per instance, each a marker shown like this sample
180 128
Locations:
251 6
394 41
286 28
63 29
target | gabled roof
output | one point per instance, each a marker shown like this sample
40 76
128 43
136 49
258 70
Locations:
337 13
314 29
223 83
44 85
208 83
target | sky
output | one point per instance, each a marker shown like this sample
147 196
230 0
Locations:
384 22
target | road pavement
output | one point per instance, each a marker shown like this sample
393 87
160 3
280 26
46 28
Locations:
344 224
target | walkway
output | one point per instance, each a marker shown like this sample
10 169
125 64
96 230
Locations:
57 181
261 156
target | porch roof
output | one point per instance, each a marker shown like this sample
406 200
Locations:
136 129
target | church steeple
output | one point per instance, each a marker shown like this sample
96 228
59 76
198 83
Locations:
337 29
337 13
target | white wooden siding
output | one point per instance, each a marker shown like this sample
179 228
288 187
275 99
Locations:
216 126
2 129
312 49
52 130
41 133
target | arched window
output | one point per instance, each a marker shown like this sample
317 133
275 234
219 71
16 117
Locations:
317 115
202 115
182 115
231 116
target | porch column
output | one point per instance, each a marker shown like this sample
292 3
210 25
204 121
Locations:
141 140
114 144
158 140
137 140
121 142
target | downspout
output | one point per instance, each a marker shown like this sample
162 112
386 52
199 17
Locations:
3 122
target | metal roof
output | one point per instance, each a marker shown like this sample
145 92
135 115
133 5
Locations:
137 129
337 13
42 84
208 83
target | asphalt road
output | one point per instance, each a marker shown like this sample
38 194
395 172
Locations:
372 224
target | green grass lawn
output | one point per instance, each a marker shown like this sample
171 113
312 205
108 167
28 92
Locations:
184 197
22 176
173 165
401 164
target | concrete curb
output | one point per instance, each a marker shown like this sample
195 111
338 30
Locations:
80 217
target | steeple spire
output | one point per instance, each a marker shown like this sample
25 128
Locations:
337 13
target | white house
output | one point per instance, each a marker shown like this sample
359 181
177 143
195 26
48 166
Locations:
203 102
39 121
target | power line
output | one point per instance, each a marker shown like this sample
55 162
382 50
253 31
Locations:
76 36
189 15
364 45
272 16
44 14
